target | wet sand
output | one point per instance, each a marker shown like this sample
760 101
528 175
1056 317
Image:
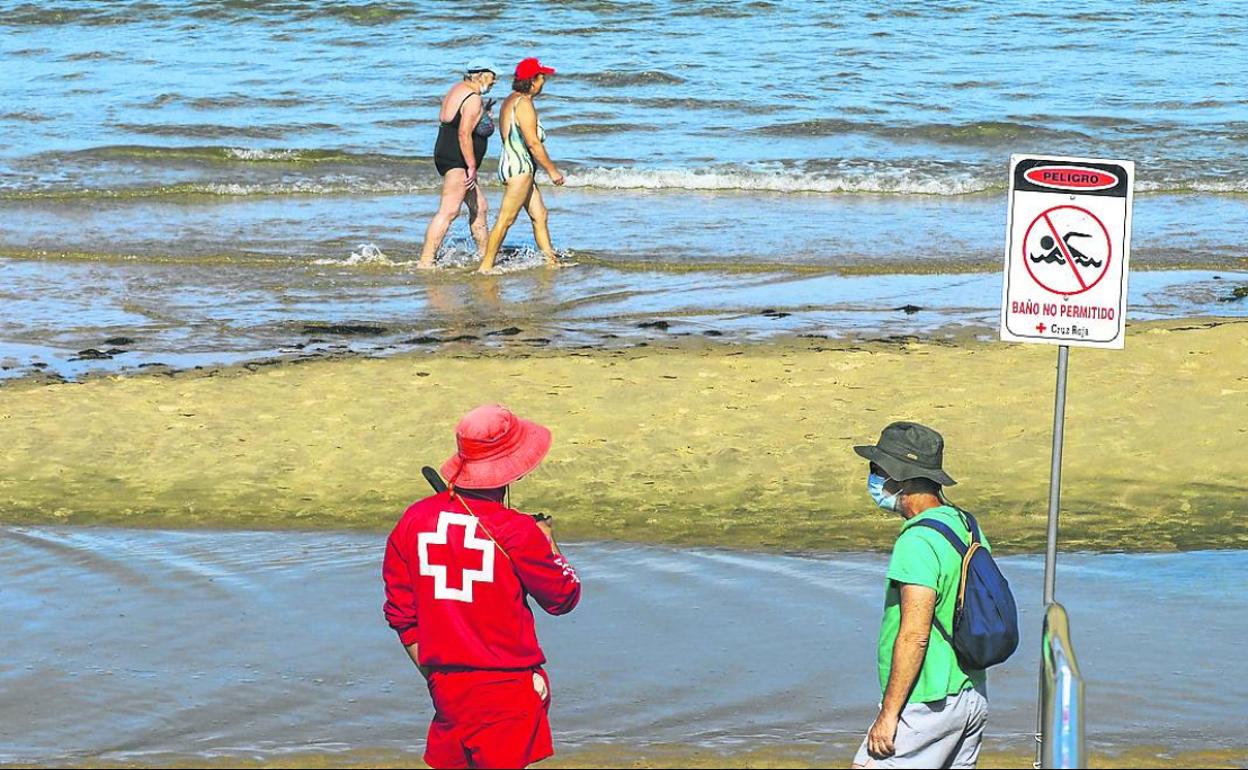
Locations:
189 648
682 441
681 756
70 316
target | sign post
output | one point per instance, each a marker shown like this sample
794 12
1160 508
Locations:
1068 246
1055 477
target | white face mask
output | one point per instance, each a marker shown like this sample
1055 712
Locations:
480 80
875 487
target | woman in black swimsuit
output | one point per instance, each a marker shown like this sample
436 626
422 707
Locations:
463 132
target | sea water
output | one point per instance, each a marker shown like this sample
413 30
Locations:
183 146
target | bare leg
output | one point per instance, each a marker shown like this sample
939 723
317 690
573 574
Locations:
514 196
448 209
541 232
477 222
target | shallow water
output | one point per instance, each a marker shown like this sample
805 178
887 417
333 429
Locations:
198 644
78 317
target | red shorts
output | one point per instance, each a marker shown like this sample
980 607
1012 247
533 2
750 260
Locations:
489 719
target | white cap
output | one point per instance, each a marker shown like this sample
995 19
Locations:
481 65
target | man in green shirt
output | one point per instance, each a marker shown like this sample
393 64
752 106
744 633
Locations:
933 709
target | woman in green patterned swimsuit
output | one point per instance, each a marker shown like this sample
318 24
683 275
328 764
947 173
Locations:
523 151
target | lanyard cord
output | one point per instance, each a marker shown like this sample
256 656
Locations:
455 495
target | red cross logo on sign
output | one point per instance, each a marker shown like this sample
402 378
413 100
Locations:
451 557
1067 250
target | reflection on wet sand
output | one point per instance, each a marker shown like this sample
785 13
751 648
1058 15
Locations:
685 757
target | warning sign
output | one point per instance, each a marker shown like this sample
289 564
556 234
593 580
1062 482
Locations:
1067 249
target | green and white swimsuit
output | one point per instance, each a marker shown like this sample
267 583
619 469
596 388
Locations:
516 158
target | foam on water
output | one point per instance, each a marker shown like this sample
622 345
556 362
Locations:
305 187
900 181
255 171
455 255
368 254
1209 186
245 153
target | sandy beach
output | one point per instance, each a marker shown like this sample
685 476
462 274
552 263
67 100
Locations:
222 366
687 442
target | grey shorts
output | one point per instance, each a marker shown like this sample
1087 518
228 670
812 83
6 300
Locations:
942 733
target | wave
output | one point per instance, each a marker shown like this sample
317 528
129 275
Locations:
623 78
368 14
728 10
232 190
987 132
258 171
49 14
620 178
230 101
105 14
219 131
1238 186
94 56
26 116
899 181
602 128
687 103
222 154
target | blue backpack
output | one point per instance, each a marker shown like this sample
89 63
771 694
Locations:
985 619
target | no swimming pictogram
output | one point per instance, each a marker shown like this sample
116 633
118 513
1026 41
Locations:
1067 250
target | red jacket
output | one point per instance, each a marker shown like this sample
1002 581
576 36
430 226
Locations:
463 598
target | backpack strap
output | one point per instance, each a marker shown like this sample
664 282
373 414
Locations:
949 534
962 550
971 525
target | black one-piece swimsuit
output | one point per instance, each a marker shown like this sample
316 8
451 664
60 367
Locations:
446 152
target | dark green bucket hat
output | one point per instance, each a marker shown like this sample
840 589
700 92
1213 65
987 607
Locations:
907 450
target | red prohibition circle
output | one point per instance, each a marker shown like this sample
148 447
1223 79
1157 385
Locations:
1109 251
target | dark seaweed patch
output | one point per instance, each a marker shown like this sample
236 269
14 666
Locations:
358 330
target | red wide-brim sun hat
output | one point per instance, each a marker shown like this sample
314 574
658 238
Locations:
495 448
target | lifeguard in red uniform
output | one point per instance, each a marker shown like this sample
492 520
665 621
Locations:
459 569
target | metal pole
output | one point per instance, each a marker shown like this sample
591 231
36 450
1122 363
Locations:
1055 476
1055 492
1061 694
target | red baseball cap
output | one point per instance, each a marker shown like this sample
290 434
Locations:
495 448
531 68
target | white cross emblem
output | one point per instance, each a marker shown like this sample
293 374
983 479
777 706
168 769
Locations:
471 542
